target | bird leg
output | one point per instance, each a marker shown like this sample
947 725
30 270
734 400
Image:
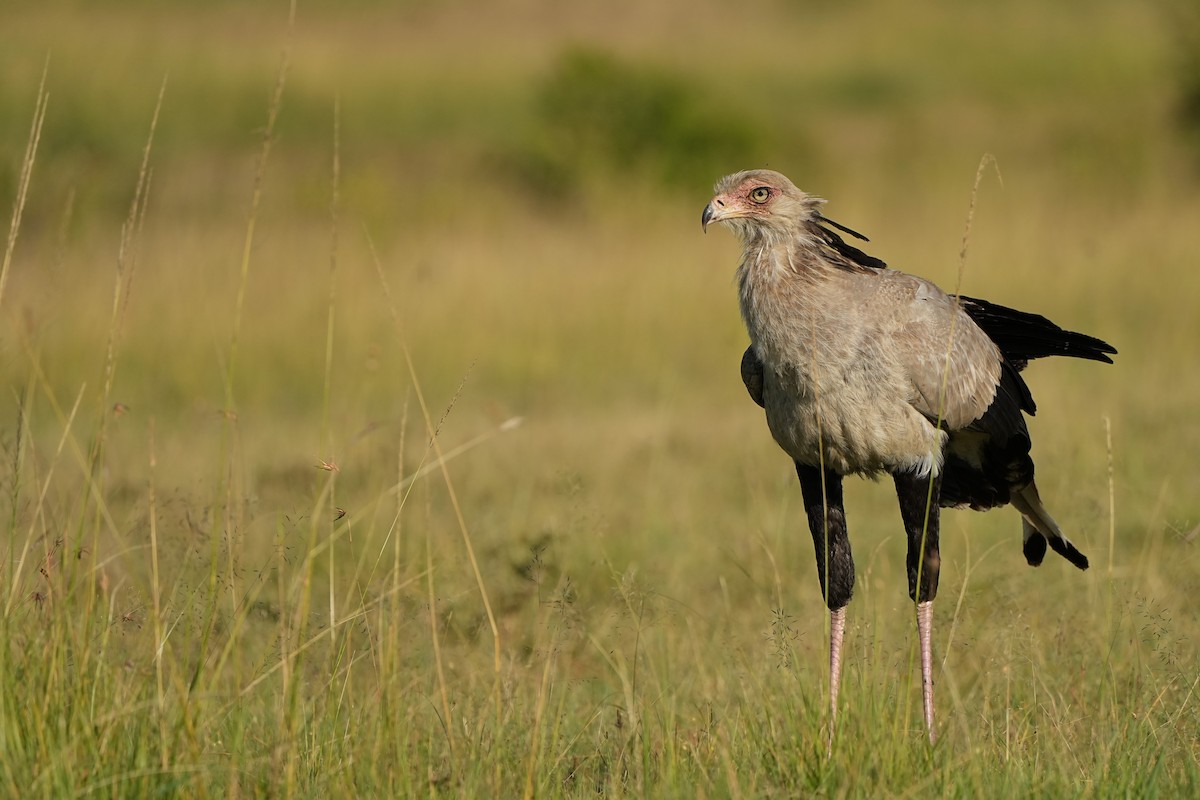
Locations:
837 628
918 496
925 635
822 491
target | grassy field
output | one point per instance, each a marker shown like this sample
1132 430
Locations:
372 423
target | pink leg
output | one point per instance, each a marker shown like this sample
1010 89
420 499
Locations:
837 629
925 634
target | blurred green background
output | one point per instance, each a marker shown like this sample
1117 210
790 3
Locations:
529 176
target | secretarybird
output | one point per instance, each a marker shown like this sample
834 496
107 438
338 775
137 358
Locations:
864 369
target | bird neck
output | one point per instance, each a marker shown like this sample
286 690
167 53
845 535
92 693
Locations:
771 257
787 291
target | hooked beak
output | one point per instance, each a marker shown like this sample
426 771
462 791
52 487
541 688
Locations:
718 211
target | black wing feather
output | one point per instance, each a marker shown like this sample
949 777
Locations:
1022 336
1001 460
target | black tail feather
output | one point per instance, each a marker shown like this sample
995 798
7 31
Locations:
1034 548
1068 551
1038 529
1022 336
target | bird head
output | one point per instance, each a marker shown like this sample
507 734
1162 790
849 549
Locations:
759 201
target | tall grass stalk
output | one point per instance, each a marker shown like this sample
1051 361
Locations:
123 283
156 608
432 431
327 447
27 162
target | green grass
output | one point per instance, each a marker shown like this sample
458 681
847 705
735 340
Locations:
187 611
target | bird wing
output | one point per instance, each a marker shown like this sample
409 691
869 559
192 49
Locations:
752 375
953 368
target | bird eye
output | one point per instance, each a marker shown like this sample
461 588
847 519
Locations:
760 194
